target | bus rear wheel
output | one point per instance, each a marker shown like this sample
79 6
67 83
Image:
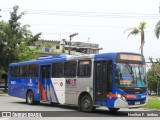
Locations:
86 104
30 98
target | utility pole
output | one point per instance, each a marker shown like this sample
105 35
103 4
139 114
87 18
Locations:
159 7
0 11
64 40
70 38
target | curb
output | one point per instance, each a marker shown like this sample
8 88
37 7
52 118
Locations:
3 94
148 109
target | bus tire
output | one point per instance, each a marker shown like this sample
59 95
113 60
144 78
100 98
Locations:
37 102
54 103
113 109
30 98
86 104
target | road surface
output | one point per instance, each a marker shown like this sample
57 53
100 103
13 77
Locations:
13 104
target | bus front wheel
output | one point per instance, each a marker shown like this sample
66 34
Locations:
86 104
30 98
114 109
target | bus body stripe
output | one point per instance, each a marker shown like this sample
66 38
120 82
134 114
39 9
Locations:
112 95
130 96
54 91
42 91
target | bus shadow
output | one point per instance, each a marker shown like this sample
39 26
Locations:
67 108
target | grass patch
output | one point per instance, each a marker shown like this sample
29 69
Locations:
153 104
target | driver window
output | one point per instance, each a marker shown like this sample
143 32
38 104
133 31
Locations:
117 76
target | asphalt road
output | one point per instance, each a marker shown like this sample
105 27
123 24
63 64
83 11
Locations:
13 104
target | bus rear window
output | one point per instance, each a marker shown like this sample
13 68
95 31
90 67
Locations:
14 71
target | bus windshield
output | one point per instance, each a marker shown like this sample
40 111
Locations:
131 75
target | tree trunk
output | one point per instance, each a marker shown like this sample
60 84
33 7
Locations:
5 77
142 41
141 49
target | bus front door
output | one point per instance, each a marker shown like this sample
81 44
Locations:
102 81
44 80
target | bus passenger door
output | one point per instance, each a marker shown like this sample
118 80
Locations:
102 81
44 81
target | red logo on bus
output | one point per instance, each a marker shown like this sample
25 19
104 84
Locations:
72 82
61 84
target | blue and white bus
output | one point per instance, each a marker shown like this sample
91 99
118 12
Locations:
114 80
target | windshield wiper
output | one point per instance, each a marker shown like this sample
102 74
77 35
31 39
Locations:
130 71
139 73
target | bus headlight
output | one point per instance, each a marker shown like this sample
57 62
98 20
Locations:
121 97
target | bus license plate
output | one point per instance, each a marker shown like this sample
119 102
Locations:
137 102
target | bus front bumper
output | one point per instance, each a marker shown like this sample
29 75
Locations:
119 103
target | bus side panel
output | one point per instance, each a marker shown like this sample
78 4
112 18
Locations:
9 86
14 87
57 90
71 90
84 85
36 89
18 87
31 84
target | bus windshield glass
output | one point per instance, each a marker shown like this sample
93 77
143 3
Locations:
131 75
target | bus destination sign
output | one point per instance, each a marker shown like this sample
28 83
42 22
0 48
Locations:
130 57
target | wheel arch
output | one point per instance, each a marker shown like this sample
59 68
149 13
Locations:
28 91
81 95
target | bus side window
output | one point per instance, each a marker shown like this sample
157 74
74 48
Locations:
24 71
57 70
14 71
70 69
84 68
33 71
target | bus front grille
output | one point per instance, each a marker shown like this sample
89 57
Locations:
136 102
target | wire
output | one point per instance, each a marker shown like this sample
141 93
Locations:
79 12
79 25
88 14
100 26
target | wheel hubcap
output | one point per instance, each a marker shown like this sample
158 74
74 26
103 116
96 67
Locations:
86 103
30 98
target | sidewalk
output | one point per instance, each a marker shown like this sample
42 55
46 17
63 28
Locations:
2 93
154 98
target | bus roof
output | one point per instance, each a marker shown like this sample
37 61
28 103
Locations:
61 58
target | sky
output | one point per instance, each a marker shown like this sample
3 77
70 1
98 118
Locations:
96 21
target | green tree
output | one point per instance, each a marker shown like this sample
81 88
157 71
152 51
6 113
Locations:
153 74
152 79
8 52
15 40
26 53
139 30
157 29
